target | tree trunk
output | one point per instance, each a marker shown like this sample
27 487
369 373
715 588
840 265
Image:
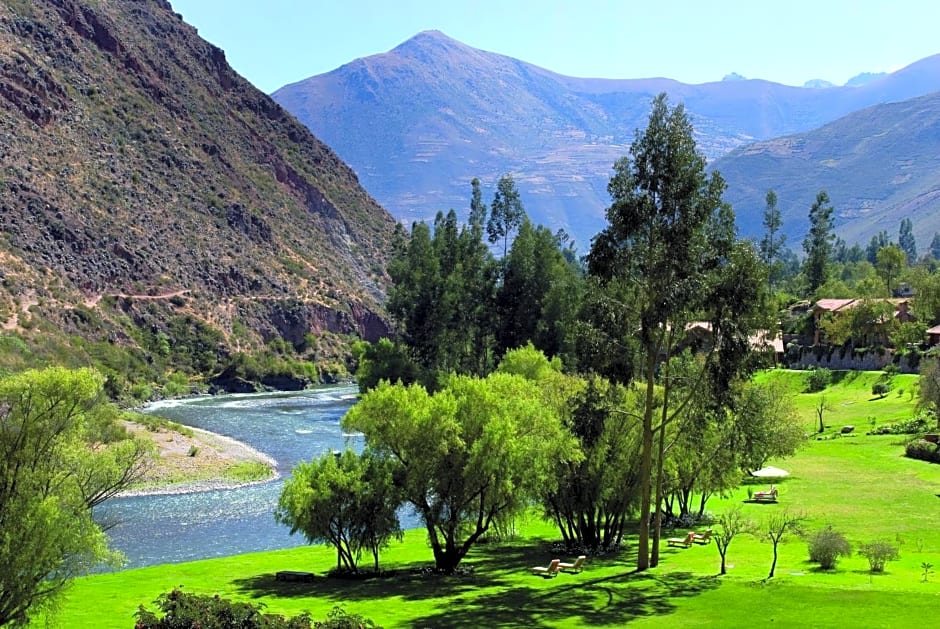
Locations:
773 566
658 517
646 467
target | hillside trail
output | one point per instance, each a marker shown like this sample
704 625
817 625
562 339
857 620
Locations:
92 301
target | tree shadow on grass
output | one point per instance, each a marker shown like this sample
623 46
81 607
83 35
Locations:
407 583
578 599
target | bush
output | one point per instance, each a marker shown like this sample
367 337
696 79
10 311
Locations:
818 379
880 389
184 611
922 450
826 546
212 612
915 426
878 553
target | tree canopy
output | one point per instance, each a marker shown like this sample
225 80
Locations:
60 454
468 457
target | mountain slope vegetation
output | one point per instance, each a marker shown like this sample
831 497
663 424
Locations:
152 199
879 165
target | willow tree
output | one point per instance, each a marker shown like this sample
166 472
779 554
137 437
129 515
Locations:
468 457
671 240
61 453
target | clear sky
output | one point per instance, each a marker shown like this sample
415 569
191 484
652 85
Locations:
276 42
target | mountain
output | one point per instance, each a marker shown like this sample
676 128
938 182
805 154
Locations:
878 165
420 121
864 78
148 191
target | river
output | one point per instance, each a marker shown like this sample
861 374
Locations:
289 427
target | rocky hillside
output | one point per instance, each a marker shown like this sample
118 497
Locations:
420 121
879 165
147 191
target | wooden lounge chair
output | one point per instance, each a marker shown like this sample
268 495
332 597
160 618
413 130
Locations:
704 538
577 566
682 541
766 496
547 571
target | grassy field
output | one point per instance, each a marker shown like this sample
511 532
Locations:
860 484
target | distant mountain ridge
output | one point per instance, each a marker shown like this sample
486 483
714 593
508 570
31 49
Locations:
146 185
879 165
419 122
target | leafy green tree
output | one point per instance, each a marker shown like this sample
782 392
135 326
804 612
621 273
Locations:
929 388
596 495
818 242
442 298
878 241
765 425
935 246
506 212
61 453
473 454
346 500
382 360
773 241
538 295
906 240
672 238
890 262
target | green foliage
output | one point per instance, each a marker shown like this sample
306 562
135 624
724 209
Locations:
922 450
817 379
382 360
765 425
818 243
671 244
906 241
917 425
596 495
346 500
506 212
182 610
469 456
880 388
826 546
878 553
50 477
890 261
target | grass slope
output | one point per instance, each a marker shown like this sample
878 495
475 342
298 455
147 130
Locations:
860 484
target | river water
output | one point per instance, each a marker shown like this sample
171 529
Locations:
289 427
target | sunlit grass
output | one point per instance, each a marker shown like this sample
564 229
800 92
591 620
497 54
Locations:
860 484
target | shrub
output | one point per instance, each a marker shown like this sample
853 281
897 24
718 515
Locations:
818 379
915 426
182 609
826 546
878 553
922 450
880 389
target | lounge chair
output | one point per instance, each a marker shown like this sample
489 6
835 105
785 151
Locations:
682 541
547 571
704 538
577 566
766 496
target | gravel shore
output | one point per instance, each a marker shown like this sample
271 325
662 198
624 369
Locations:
194 460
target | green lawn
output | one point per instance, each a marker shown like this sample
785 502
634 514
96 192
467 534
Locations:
860 484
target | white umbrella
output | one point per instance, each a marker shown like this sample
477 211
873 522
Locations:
770 472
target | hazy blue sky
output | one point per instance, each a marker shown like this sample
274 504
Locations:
275 42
